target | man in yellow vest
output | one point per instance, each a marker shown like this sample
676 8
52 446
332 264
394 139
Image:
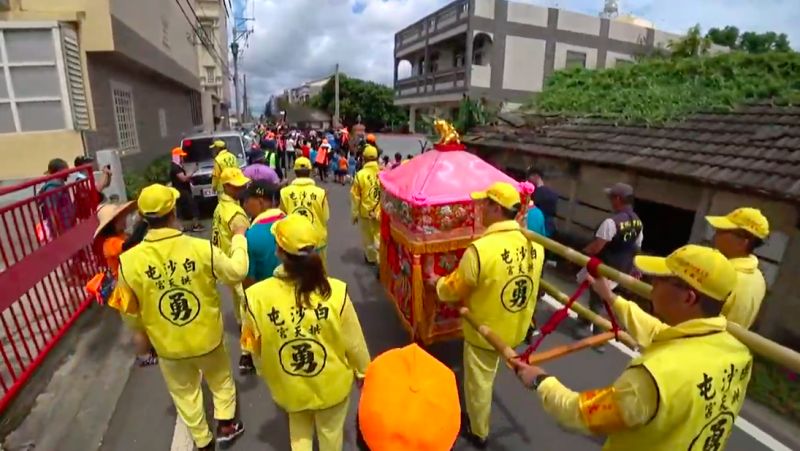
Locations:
223 159
686 388
737 236
366 203
498 280
169 282
230 216
302 196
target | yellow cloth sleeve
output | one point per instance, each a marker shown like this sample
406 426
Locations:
458 284
123 298
355 345
355 197
630 402
642 326
215 176
231 269
250 339
239 220
326 212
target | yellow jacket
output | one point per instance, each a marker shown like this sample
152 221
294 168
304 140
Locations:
304 197
169 282
228 215
744 303
223 160
366 192
648 404
501 265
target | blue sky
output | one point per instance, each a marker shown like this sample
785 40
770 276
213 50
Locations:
301 40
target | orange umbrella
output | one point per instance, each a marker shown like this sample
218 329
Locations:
409 402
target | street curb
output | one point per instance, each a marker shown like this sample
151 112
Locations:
785 431
74 410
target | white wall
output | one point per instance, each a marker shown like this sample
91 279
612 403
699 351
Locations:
524 64
484 8
622 31
579 23
527 14
662 38
613 57
481 76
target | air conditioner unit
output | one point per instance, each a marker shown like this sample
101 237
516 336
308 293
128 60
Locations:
116 190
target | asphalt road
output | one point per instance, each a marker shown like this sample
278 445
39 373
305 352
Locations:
145 418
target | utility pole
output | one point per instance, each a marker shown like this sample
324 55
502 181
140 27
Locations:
336 122
235 51
245 104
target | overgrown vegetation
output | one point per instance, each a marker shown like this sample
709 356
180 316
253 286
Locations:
658 89
155 172
372 102
776 388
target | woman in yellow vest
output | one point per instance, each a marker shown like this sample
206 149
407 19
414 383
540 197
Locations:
302 196
501 265
169 281
304 329
366 203
228 216
737 236
685 390
223 159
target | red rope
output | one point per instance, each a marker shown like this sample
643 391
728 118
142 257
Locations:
561 314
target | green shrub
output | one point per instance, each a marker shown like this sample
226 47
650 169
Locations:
776 388
658 90
155 172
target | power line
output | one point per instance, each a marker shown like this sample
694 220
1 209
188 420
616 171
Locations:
200 6
197 30
223 61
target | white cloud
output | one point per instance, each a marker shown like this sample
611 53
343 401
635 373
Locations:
300 40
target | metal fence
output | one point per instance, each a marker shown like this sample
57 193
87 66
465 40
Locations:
46 257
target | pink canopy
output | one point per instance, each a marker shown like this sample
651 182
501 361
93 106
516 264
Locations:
441 177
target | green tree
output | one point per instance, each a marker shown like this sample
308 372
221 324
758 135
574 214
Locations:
691 45
728 36
373 102
749 41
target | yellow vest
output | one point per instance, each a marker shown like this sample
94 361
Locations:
370 189
701 382
744 303
223 160
508 282
304 197
302 350
221 234
172 278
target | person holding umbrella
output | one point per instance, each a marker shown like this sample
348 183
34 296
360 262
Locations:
304 329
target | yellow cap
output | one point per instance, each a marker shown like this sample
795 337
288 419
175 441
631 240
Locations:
748 219
157 200
233 176
502 193
302 163
704 269
295 234
218 144
370 151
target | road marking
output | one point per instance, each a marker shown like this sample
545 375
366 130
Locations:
747 427
181 438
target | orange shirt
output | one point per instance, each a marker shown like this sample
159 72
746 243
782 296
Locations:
112 248
342 164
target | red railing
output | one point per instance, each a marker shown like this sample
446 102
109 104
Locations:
45 259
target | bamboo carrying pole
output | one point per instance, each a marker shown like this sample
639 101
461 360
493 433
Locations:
759 345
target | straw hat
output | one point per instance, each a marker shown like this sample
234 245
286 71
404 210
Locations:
107 213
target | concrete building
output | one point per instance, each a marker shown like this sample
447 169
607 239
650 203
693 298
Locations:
212 60
306 91
85 75
504 51
708 164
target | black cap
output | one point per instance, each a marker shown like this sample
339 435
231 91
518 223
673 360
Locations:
81 160
262 189
56 165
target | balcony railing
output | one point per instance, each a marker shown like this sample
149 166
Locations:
446 81
434 23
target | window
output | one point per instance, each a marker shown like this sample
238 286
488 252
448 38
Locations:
421 66
165 32
196 107
575 59
162 122
434 63
34 91
207 35
125 118
210 74
74 74
458 59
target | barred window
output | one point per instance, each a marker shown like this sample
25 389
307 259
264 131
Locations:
125 118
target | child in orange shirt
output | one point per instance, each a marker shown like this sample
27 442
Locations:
341 172
111 230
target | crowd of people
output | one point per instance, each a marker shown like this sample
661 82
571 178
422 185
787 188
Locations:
302 335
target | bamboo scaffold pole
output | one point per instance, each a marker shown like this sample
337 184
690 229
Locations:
766 348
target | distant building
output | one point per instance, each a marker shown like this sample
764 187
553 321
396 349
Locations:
86 75
503 51
306 91
212 61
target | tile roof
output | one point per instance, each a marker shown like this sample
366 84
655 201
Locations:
754 148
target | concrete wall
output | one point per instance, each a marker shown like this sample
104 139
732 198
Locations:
151 92
519 52
93 16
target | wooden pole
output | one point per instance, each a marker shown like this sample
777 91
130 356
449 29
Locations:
768 349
